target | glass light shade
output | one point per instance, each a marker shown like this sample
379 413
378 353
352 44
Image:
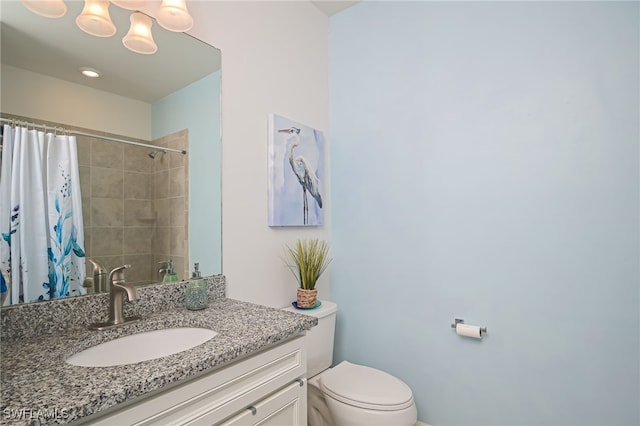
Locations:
95 19
46 8
174 16
139 38
130 4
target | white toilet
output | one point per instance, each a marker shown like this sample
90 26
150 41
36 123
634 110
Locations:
350 394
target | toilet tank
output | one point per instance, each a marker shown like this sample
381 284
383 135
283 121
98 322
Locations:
319 339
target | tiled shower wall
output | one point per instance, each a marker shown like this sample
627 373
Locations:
135 207
171 204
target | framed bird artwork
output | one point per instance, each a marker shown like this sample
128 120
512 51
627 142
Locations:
296 173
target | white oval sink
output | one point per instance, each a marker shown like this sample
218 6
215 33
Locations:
142 347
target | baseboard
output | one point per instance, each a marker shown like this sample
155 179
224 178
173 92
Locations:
419 423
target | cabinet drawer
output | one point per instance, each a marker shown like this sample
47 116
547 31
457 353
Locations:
219 394
285 407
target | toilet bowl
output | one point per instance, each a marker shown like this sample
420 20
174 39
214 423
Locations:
360 395
350 394
318 413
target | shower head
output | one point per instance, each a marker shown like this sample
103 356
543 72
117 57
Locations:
153 154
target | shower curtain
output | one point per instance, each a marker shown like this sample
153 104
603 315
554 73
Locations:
42 237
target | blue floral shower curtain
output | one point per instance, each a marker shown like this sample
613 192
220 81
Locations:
41 227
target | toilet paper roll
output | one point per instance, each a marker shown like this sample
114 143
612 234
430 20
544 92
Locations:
469 330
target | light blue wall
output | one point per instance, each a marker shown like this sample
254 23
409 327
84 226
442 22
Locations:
197 107
484 165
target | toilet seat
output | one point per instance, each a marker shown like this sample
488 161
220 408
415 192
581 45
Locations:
366 387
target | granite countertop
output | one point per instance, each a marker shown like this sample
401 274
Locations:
39 387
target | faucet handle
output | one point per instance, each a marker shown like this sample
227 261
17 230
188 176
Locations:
117 275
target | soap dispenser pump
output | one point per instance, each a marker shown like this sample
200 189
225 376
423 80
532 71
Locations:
196 295
170 275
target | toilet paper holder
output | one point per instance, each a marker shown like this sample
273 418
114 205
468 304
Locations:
461 321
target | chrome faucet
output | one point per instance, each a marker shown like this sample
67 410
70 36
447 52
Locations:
119 289
99 283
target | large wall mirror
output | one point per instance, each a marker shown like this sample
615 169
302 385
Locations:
141 205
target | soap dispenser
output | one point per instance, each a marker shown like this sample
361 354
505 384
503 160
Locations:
196 295
170 275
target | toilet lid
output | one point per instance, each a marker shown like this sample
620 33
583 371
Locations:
366 387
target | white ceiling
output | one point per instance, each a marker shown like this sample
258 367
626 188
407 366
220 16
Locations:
331 7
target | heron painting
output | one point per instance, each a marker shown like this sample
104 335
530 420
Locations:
296 173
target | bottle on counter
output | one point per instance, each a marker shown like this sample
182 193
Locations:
170 276
196 295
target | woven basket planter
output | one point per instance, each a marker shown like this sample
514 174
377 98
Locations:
307 298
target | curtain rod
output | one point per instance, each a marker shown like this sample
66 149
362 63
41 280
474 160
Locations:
13 122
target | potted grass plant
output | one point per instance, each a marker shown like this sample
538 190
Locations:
307 260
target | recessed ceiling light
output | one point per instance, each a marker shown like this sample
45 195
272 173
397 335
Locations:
90 72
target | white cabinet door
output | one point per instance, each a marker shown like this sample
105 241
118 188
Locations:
287 407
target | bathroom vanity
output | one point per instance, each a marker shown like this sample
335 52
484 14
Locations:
252 371
267 388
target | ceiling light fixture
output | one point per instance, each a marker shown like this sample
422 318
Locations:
139 38
90 72
95 19
174 16
130 4
46 8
